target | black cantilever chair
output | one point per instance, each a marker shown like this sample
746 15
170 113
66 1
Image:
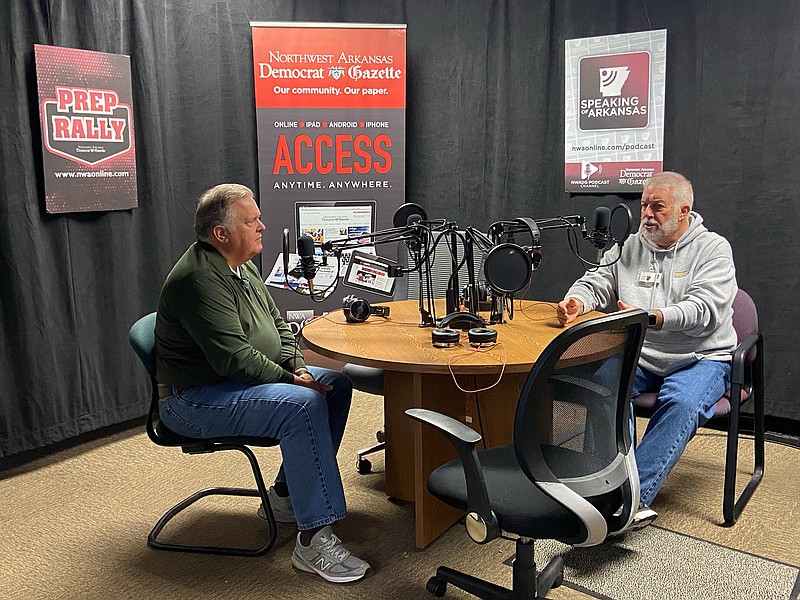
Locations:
142 339
570 473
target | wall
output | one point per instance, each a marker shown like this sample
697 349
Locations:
485 139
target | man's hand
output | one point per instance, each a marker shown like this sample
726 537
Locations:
623 306
306 379
568 310
658 313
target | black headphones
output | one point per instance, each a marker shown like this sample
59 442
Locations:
484 297
447 334
535 251
358 310
444 337
462 320
481 336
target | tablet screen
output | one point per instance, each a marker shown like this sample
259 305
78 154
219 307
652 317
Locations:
369 273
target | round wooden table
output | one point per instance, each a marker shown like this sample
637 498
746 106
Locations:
455 381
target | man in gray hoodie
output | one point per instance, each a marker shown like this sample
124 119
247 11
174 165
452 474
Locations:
684 276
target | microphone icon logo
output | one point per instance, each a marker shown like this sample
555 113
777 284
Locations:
588 169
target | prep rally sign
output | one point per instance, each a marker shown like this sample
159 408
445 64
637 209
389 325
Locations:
87 129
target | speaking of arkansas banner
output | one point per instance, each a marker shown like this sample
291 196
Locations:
330 111
614 130
88 151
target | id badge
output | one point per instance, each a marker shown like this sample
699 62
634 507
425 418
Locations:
649 278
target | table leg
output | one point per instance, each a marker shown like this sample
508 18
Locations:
413 450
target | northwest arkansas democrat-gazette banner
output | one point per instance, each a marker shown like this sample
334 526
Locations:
330 111
614 130
88 152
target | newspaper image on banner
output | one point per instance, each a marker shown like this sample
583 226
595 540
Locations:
88 150
614 113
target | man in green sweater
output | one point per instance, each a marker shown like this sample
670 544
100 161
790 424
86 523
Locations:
228 365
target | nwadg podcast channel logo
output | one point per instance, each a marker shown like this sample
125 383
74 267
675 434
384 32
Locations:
588 169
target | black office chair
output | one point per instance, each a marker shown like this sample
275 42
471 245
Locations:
569 475
747 383
370 380
142 339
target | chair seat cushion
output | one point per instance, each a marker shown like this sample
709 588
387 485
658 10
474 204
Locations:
520 506
167 437
365 379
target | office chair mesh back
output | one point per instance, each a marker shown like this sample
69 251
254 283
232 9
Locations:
572 426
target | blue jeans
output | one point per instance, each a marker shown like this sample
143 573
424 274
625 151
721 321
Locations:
308 425
686 400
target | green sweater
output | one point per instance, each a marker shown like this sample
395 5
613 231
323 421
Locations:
212 326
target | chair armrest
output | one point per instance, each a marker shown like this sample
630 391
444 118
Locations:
464 439
740 357
459 434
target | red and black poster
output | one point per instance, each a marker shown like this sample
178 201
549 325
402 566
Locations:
88 151
330 111
614 113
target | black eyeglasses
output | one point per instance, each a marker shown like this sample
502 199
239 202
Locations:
245 284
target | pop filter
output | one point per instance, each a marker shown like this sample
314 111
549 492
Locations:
507 268
621 223
408 214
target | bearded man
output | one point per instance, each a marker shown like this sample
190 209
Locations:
684 276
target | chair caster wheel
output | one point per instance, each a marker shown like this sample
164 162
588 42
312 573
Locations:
363 466
436 586
559 580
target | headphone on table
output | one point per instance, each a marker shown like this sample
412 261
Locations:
446 335
358 310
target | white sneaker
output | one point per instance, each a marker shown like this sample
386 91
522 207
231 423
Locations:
282 508
643 517
328 558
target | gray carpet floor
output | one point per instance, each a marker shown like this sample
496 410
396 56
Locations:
75 524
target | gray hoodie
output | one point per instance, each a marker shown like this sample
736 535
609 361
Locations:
695 291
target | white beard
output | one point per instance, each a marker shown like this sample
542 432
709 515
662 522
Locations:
661 232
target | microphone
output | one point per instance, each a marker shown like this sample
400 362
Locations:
413 219
305 249
412 222
600 235
409 214
286 256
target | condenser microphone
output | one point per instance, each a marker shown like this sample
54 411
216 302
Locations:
600 235
409 214
305 249
286 256
413 220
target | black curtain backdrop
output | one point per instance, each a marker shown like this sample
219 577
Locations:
485 142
